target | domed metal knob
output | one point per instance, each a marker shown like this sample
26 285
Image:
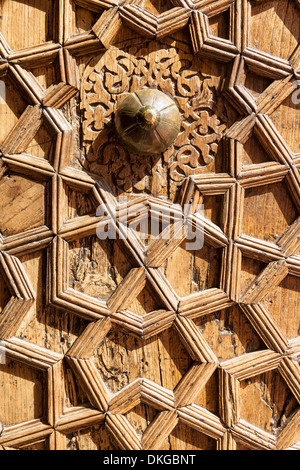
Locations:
147 122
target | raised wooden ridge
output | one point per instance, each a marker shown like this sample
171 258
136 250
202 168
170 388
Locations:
59 233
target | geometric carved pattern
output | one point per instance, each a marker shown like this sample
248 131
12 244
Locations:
63 227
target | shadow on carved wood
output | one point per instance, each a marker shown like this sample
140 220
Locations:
138 342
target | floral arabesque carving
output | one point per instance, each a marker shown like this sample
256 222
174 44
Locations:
111 76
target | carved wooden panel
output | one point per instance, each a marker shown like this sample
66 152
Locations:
138 341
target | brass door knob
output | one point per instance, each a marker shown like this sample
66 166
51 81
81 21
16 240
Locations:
147 122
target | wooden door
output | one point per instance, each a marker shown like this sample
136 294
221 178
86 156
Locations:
139 341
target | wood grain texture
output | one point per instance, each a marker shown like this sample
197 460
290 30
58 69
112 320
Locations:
143 340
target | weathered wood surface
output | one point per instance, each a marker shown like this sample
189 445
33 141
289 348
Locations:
142 342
